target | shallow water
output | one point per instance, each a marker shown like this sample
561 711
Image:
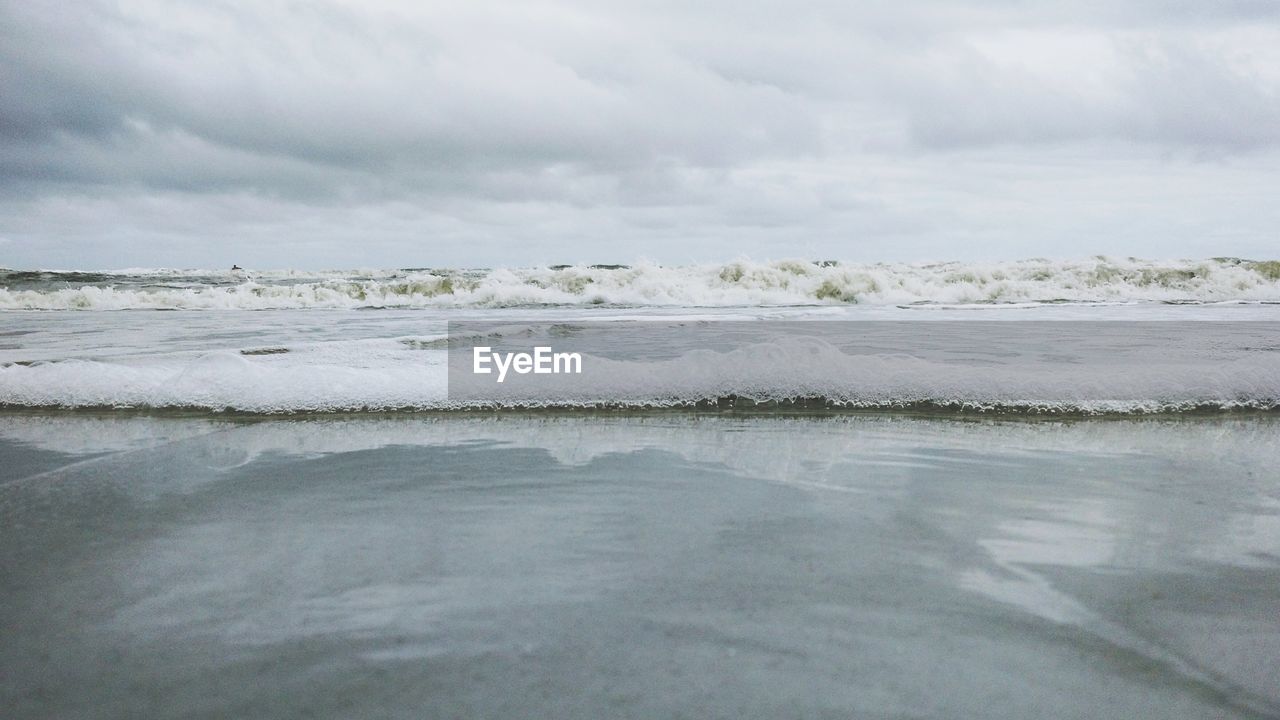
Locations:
1049 358
639 566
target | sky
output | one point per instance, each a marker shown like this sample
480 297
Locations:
474 133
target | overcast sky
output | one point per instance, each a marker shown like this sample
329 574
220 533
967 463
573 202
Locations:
470 133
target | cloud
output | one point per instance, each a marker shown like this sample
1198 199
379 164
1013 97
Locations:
1196 91
380 91
605 128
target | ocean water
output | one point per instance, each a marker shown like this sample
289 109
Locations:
288 342
782 489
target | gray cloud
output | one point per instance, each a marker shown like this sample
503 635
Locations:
141 129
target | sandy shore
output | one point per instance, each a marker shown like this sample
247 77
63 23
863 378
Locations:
639 566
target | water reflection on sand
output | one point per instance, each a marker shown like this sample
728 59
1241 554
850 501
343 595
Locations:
572 565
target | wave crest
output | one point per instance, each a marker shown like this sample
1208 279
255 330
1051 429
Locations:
739 283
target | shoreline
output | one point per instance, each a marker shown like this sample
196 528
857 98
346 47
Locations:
760 410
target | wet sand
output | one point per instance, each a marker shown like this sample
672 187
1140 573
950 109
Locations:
639 566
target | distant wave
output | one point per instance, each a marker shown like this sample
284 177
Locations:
740 283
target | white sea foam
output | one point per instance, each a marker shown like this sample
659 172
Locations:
379 375
741 283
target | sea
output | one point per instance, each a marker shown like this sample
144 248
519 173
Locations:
778 489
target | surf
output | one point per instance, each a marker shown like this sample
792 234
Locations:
739 283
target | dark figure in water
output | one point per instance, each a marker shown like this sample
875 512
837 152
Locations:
236 267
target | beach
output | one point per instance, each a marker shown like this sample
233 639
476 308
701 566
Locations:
572 360
968 492
639 565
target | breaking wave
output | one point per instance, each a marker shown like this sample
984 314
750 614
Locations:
740 283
